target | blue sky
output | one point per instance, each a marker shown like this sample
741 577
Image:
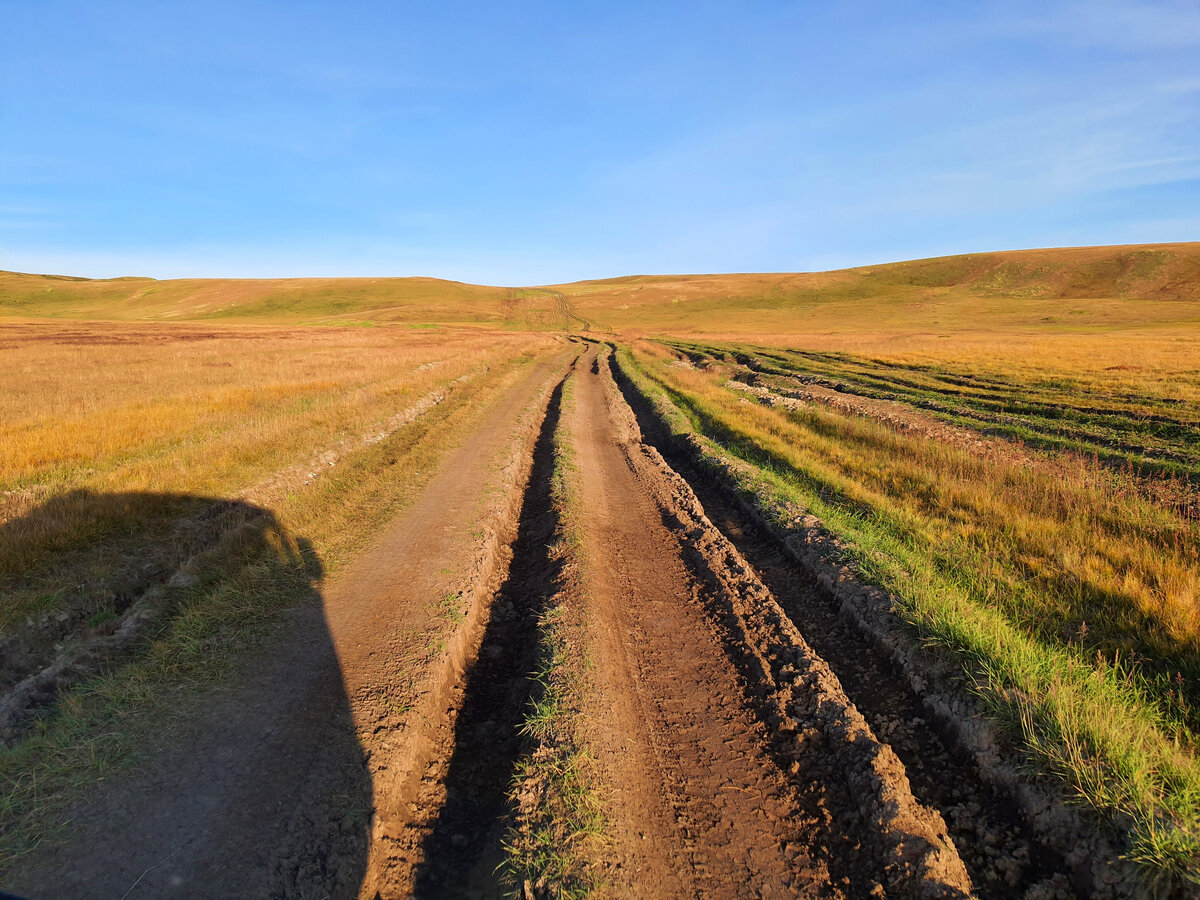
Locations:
520 143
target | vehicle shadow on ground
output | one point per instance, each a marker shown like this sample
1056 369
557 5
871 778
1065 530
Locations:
189 632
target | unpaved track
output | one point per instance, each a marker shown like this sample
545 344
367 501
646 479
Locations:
695 804
409 717
729 759
266 794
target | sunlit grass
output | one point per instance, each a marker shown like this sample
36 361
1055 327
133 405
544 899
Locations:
256 413
71 533
1074 607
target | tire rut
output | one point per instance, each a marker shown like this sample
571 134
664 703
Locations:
1003 855
1001 852
462 803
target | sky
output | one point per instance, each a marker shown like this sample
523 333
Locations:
531 143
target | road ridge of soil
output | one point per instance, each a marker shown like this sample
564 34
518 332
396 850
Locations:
806 697
1002 853
74 660
1096 864
330 455
410 763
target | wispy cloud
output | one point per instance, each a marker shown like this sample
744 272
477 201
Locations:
1123 25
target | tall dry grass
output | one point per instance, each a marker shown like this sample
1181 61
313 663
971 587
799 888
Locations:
182 409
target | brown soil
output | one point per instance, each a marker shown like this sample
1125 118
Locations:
853 827
695 803
372 750
441 834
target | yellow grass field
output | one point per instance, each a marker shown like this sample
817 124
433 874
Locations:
250 412
1006 443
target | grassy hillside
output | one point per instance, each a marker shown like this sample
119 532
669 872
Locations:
1090 288
267 299
1087 289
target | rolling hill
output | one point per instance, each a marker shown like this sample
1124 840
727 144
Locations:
1071 289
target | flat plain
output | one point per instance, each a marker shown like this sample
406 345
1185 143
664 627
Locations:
880 582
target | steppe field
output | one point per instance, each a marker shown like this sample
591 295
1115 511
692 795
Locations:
882 582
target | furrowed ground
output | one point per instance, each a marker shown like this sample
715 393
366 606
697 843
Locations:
1062 571
881 582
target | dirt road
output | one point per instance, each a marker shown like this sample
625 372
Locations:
374 752
269 791
694 800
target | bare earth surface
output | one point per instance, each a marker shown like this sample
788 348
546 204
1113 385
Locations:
696 804
371 751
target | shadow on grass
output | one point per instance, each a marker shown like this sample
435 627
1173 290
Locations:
173 706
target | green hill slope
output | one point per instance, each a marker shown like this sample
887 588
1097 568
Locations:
1073 289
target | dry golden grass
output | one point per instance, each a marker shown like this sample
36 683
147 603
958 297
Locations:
329 300
227 411
1034 291
1074 599
1044 292
1065 541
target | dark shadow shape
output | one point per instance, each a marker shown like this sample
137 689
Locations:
260 785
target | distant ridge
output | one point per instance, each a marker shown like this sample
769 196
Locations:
1015 288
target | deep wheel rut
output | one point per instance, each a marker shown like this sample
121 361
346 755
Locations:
1001 852
461 848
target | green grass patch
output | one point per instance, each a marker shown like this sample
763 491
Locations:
1098 723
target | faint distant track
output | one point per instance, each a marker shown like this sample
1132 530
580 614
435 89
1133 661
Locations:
568 311
526 299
